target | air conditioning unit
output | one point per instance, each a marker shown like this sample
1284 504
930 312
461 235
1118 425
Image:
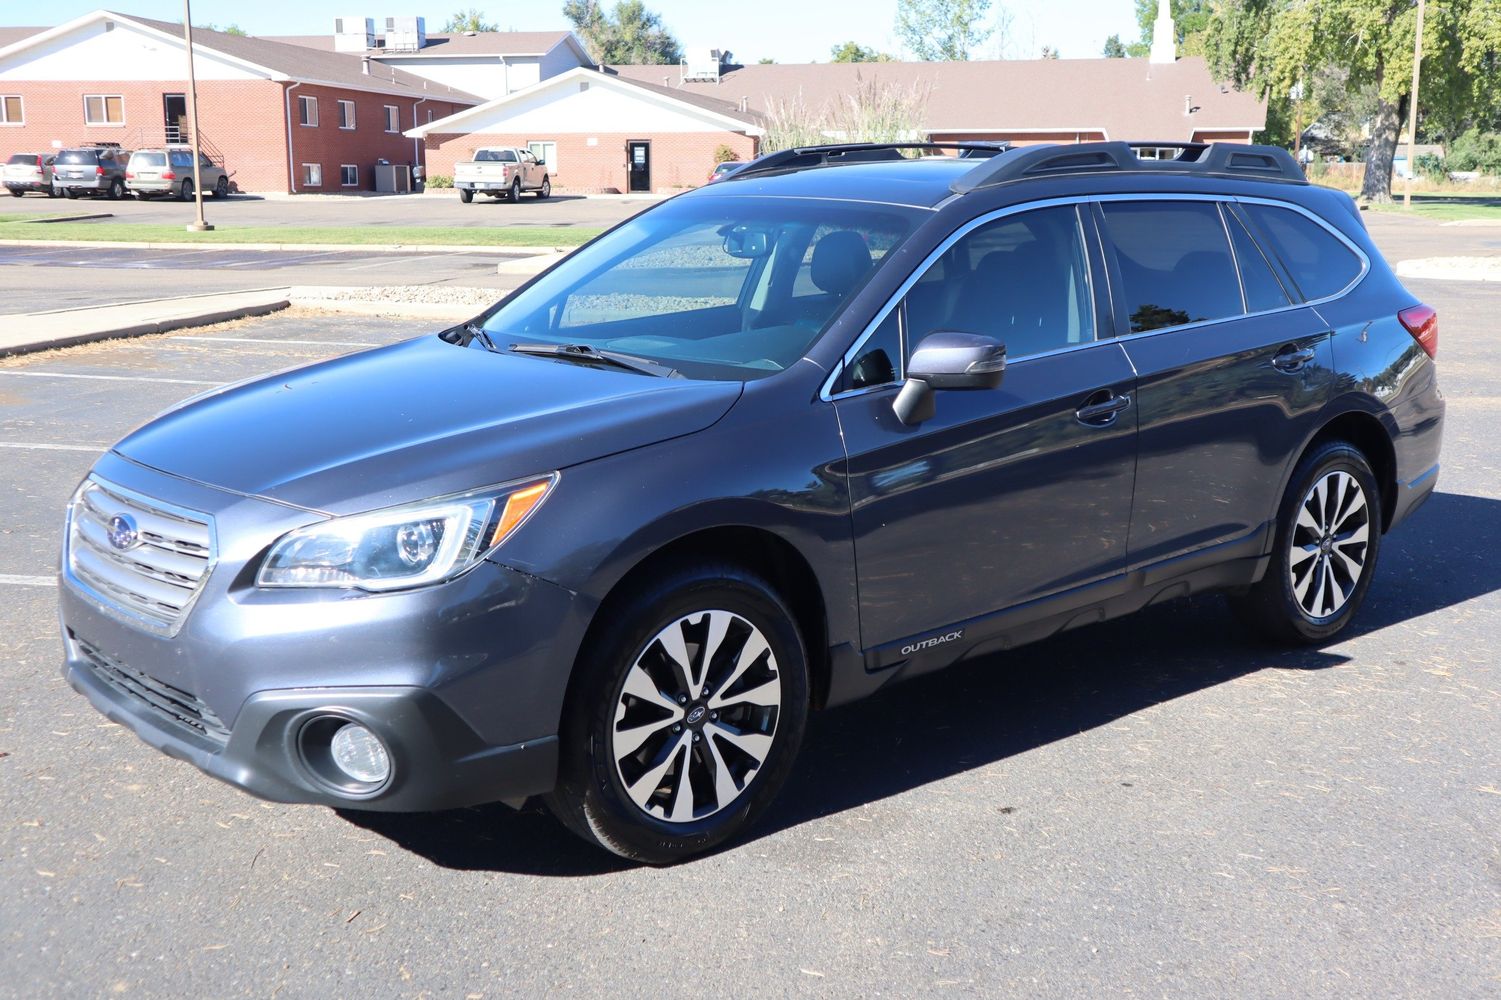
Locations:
405 34
354 34
701 65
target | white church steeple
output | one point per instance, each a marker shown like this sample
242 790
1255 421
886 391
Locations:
1164 40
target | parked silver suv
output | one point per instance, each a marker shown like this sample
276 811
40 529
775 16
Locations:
29 172
95 169
169 171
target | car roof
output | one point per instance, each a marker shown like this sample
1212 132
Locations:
921 183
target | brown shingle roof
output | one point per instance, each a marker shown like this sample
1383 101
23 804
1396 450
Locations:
1127 98
301 63
10 36
483 43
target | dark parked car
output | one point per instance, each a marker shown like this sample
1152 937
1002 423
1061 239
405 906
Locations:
723 170
95 170
841 419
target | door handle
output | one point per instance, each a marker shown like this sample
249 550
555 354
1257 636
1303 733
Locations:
1291 359
1103 411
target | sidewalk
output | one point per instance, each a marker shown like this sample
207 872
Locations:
23 333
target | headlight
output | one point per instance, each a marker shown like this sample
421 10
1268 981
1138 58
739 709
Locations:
402 547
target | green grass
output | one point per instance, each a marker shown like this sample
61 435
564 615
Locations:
1448 207
13 227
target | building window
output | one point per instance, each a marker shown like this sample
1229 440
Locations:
393 118
547 153
312 175
10 110
349 175
346 114
103 109
307 111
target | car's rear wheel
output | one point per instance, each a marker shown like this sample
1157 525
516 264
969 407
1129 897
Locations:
16 192
1328 536
687 714
70 193
545 191
465 195
221 188
116 189
186 191
515 193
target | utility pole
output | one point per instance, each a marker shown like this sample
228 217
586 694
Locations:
198 225
1412 109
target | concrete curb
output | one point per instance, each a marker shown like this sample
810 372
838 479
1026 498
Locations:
510 251
1451 268
27 333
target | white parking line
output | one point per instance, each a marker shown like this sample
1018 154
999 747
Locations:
383 263
12 580
300 343
53 447
281 261
110 378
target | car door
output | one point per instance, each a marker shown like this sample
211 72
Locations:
1004 495
1231 375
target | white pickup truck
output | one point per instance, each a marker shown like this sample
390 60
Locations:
501 171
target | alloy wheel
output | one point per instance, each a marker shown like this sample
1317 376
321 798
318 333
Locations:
696 716
1329 545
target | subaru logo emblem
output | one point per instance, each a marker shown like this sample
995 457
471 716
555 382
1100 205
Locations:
696 716
123 533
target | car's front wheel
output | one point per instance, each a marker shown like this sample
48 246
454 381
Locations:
221 188
1328 535
687 715
545 191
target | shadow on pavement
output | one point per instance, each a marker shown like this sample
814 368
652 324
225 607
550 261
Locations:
998 706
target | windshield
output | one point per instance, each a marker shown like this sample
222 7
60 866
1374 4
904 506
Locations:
717 288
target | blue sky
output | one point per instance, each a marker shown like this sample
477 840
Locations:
785 30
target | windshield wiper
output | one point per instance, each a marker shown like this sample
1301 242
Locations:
477 332
593 355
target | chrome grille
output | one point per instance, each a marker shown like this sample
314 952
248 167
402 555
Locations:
153 579
172 703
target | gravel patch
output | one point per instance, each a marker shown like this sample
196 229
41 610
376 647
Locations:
1452 268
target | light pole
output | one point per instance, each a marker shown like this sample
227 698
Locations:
1412 109
198 225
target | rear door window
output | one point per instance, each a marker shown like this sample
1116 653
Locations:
1263 290
1320 263
1175 262
148 160
23 158
84 156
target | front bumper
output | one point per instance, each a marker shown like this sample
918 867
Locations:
464 681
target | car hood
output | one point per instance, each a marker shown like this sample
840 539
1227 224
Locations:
416 420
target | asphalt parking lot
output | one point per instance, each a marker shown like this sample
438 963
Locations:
1150 807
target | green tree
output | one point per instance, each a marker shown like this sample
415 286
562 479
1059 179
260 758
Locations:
934 30
1274 45
233 29
1114 48
467 20
629 33
764 61
854 52
1190 22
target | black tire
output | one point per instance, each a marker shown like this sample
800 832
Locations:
53 192
592 799
465 195
16 193
70 193
515 194
545 191
1274 607
116 189
185 193
221 188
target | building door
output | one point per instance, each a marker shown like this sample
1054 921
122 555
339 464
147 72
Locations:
638 161
175 117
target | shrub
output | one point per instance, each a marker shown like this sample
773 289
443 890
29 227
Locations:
724 154
1428 165
440 181
1476 150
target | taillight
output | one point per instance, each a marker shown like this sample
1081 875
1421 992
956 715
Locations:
99 171
168 175
1422 322
129 176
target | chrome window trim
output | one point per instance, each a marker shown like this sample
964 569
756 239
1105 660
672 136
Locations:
827 392
109 607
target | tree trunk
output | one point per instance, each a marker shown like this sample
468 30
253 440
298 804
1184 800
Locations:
1377 185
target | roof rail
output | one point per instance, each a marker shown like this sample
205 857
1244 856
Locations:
1219 159
803 157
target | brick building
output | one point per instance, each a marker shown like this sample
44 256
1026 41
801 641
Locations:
280 117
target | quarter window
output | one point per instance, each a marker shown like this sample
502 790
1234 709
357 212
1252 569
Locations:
1263 290
876 363
10 110
103 109
1320 264
307 111
1175 262
1022 279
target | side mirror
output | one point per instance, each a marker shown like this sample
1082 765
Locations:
948 359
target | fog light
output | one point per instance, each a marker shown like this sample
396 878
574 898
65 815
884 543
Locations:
360 754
